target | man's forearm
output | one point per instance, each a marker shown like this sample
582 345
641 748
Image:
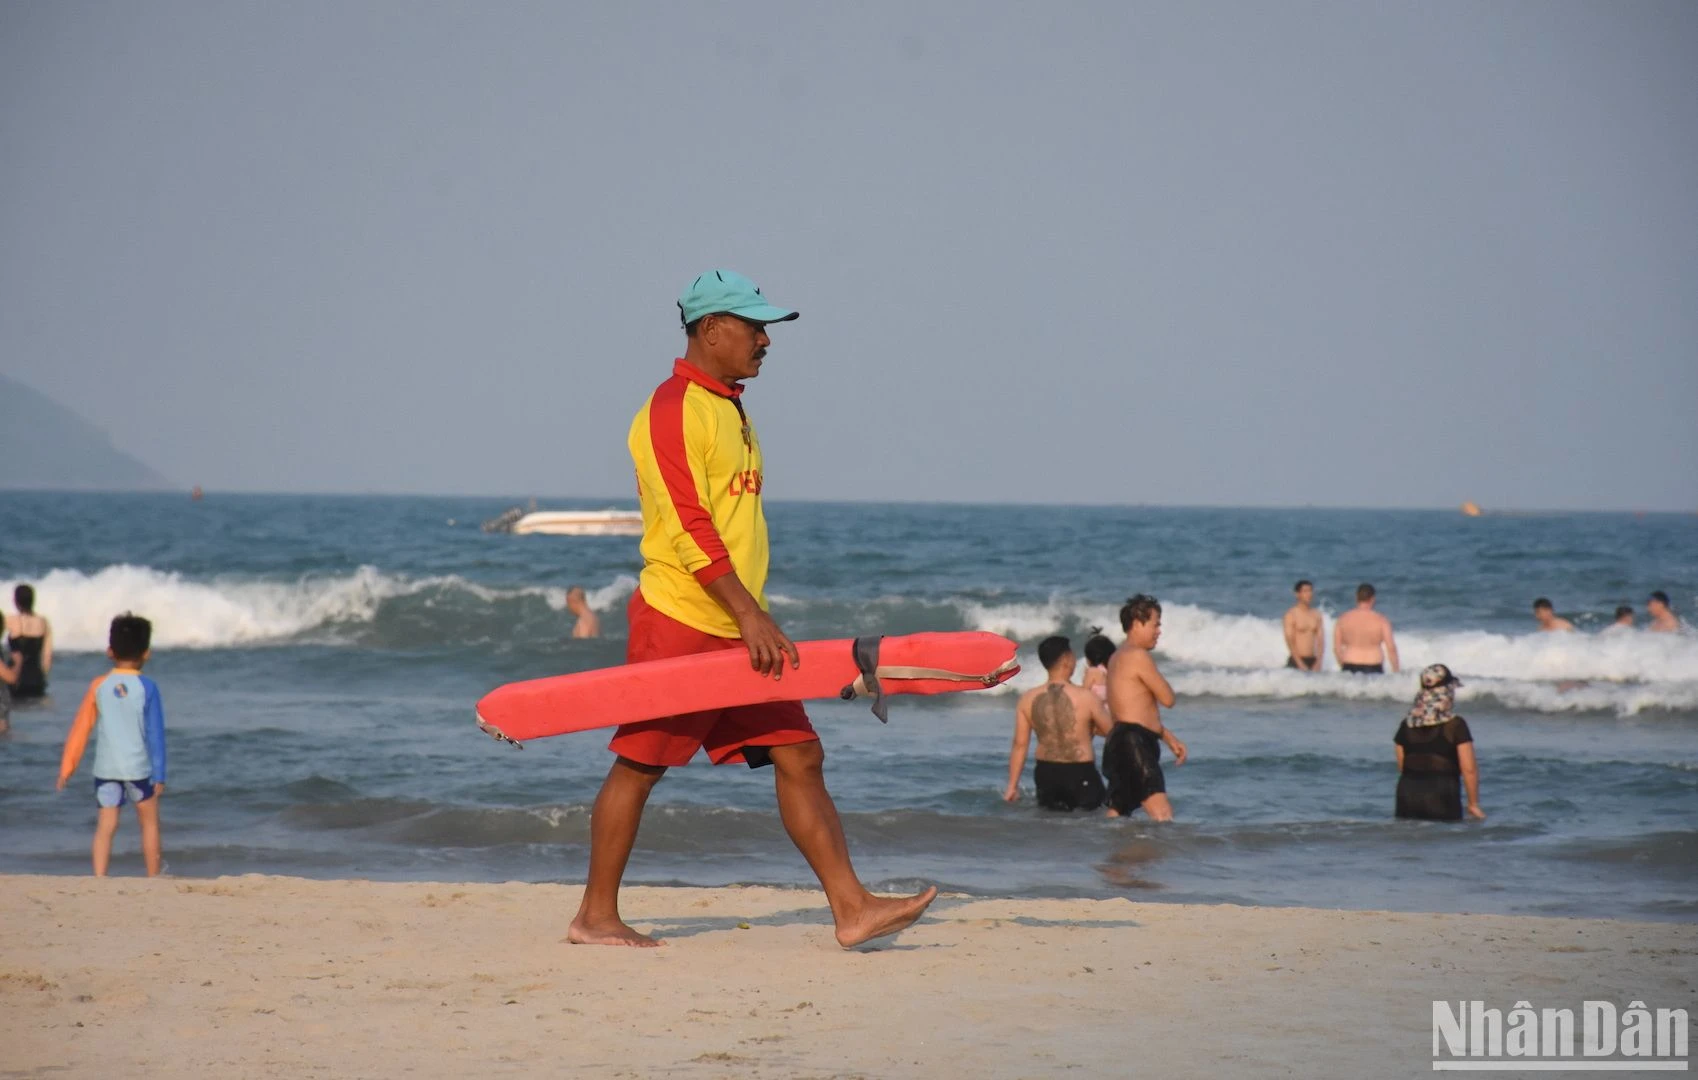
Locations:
1016 766
732 595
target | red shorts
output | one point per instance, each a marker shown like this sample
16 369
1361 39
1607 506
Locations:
723 733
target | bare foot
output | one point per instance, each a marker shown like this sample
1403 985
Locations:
883 915
607 932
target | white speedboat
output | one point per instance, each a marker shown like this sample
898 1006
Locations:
581 523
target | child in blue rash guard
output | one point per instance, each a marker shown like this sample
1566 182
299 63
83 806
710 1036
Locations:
123 710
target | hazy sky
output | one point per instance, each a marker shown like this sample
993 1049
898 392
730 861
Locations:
1235 253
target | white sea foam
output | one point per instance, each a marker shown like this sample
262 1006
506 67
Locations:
222 612
1197 636
1623 699
1243 656
1203 652
608 596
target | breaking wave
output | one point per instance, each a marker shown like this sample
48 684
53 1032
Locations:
367 606
1204 652
1625 672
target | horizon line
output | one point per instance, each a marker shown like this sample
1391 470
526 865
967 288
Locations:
1456 508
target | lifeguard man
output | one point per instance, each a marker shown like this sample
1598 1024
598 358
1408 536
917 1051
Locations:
699 479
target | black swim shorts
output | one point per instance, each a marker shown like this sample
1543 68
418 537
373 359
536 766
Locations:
1132 766
1363 669
1068 785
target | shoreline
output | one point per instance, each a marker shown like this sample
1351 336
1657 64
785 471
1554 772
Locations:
277 976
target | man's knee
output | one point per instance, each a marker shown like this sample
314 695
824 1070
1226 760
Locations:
1158 808
636 772
798 759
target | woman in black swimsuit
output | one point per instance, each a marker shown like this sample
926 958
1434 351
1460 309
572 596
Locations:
32 643
1435 754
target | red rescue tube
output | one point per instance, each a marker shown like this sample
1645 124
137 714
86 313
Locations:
536 708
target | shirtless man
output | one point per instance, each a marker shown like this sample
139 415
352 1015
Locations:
1548 621
1066 718
1360 634
1663 618
589 623
1136 695
1305 631
1623 617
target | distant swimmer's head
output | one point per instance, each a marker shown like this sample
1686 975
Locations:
1364 593
1305 590
725 318
1098 648
1140 617
24 598
1624 615
1657 603
576 601
129 639
1056 655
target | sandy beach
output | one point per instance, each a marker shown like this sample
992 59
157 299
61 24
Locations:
282 977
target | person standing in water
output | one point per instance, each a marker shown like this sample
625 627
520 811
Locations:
31 638
1549 621
589 623
1663 618
1305 631
704 547
1065 719
1098 651
1136 695
1623 617
1360 635
1435 752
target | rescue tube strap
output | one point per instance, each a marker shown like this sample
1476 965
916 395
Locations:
497 734
867 684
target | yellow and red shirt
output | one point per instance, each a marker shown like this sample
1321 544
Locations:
699 482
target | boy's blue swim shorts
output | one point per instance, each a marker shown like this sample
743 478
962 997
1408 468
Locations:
114 793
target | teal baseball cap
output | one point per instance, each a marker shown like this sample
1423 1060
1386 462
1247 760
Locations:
726 291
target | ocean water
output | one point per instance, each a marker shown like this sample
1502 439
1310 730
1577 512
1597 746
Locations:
319 659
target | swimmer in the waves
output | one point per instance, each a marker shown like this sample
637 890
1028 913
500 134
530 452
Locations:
1066 718
1305 630
1362 639
1549 621
1098 650
1137 693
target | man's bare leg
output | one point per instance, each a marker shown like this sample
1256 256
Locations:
1158 807
810 817
613 830
147 815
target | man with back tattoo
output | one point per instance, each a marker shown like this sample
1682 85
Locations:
1065 717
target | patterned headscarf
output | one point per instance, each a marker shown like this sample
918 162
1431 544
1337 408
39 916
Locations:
1436 703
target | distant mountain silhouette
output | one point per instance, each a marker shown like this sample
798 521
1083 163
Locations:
45 446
